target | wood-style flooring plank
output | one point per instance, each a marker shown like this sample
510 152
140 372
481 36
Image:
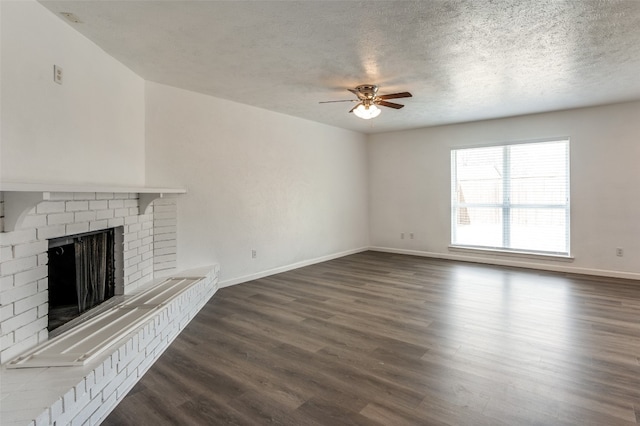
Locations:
386 339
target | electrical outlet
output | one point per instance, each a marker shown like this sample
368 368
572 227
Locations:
57 74
619 252
254 254
402 235
411 236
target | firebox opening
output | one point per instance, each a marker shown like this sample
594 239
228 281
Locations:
84 271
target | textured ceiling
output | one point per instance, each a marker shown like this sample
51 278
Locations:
462 60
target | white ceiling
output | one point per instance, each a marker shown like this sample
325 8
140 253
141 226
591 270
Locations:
462 60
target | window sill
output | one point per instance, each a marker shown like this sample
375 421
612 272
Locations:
509 253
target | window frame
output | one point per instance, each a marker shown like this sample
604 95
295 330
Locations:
506 206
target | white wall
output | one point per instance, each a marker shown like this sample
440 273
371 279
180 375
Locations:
291 189
88 130
410 178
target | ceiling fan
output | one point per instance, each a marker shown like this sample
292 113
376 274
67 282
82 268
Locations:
368 100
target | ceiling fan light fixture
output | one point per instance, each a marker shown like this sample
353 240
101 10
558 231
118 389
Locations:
367 112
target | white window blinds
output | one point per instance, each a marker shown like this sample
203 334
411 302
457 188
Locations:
511 197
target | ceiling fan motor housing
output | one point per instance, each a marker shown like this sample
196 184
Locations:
368 91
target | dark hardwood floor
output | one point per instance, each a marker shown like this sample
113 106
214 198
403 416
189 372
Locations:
383 339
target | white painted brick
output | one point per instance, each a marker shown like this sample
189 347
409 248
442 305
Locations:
108 403
132 367
116 204
43 418
98 205
135 228
116 380
60 218
104 195
164 244
127 252
104 214
133 244
146 224
56 410
17 237
130 220
77 228
6 253
43 335
162 223
134 211
164 201
69 398
164 237
165 215
81 390
79 419
30 302
128 237
74 206
84 195
85 216
90 380
43 310
16 293
6 283
6 312
30 276
131 203
34 221
132 261
98 224
117 221
144 233
56 196
43 259
159 230
147 275
43 284
51 232
144 264
14 266
147 254
50 207
30 329
163 251
20 320
135 276
30 249
121 213
144 248
7 340
166 208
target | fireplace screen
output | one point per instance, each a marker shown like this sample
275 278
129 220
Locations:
81 274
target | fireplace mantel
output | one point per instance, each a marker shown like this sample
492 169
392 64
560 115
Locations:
20 198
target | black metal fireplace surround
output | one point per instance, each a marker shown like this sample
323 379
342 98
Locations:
81 274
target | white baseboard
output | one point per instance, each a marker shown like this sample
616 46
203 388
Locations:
290 267
560 267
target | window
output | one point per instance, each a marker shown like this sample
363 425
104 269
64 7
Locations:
512 197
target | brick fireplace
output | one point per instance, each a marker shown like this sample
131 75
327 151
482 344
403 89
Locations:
149 245
86 393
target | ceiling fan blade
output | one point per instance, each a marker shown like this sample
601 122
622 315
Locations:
389 104
396 95
343 100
